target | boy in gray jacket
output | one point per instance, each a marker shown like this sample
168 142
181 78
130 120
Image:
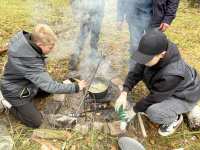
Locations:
25 73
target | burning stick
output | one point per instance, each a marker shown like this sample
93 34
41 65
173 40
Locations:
90 83
142 126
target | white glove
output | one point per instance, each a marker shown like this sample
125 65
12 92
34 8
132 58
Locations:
121 101
130 114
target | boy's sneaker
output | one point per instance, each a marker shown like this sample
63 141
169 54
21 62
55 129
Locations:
166 130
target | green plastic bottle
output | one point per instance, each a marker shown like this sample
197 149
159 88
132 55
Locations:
122 116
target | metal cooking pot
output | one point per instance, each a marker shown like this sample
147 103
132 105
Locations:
99 93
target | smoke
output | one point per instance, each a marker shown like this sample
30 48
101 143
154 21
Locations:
99 67
60 18
92 15
99 19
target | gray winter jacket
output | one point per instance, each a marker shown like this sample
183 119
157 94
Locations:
25 72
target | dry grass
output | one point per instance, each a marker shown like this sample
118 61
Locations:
185 31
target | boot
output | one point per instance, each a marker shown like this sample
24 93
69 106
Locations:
73 62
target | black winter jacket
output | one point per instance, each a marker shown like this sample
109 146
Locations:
171 77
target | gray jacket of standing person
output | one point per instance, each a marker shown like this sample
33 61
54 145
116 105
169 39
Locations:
25 72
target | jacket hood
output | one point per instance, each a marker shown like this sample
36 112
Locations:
171 56
20 46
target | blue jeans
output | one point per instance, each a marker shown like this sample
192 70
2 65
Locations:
138 18
92 27
138 25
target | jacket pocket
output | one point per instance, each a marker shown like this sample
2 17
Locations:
25 93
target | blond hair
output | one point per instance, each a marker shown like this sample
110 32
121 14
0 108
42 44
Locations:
44 34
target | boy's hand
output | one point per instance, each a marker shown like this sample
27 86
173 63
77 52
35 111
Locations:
130 114
67 82
82 84
121 101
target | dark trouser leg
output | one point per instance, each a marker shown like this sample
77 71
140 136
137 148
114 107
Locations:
84 32
28 115
136 34
138 25
95 32
74 59
167 111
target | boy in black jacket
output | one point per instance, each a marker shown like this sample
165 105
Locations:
174 86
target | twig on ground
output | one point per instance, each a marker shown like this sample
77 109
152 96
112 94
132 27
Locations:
142 126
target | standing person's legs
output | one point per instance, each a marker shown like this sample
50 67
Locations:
95 32
138 25
136 34
27 114
84 32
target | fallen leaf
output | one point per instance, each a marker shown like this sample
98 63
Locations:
113 147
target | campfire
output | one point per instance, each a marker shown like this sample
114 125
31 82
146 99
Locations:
94 108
